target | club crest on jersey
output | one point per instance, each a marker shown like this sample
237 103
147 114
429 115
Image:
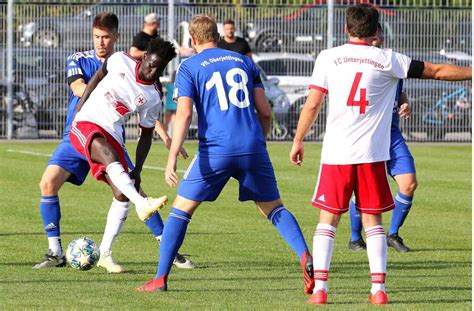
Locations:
122 75
140 100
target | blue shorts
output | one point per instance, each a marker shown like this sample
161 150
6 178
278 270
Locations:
67 157
206 176
401 161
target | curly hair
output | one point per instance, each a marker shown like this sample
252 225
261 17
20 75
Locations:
164 49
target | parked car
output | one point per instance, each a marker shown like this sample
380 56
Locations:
74 31
41 73
303 31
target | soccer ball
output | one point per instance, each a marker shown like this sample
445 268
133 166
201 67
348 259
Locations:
82 253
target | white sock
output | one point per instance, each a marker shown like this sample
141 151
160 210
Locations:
323 246
118 213
55 246
122 181
377 253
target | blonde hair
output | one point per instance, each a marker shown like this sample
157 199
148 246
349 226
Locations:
204 29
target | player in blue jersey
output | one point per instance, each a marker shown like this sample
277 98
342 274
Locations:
401 167
67 165
226 90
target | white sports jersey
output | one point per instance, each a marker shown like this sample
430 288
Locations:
120 94
361 82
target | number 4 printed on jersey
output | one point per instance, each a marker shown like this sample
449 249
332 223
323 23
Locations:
362 102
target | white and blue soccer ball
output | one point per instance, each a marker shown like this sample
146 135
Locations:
82 253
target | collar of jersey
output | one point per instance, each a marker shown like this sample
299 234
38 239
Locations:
357 43
138 78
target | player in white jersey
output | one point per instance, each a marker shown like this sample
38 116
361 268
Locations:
361 82
121 87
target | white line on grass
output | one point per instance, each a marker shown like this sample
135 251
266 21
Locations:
156 168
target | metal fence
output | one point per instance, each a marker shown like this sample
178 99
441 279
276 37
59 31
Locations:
284 38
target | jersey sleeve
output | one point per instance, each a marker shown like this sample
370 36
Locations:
257 81
184 85
115 61
73 69
319 79
149 116
246 49
400 65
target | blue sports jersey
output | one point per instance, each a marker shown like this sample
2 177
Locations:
395 116
80 65
221 83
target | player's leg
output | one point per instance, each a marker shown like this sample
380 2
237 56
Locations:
257 182
172 239
402 168
53 178
203 181
356 243
377 254
373 197
289 229
332 197
407 184
116 218
107 156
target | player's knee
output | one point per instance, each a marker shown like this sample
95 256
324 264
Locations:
120 197
48 186
409 188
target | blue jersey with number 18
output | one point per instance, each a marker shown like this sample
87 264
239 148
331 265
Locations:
221 84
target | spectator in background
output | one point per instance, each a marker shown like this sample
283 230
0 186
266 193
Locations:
231 42
150 31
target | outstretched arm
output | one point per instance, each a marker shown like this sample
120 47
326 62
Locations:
183 118
143 148
167 139
308 115
447 72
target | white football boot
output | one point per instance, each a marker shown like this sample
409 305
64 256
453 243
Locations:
144 211
182 262
106 261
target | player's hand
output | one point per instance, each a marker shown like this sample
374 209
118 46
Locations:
170 173
405 111
182 151
297 153
136 178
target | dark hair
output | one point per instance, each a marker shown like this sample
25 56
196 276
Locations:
106 21
164 49
379 28
362 20
229 21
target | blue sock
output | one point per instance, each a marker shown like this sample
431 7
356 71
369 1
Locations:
51 214
289 229
402 208
173 237
155 224
356 222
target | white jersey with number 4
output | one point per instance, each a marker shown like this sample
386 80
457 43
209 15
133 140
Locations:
120 94
361 82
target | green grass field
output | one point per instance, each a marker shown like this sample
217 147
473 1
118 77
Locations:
241 261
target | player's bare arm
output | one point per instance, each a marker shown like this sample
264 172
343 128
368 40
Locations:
78 87
167 139
446 72
143 148
405 108
264 111
184 115
308 115
96 78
